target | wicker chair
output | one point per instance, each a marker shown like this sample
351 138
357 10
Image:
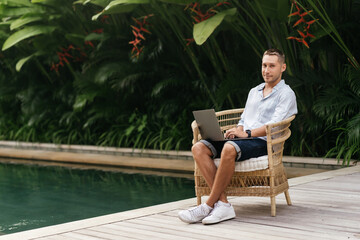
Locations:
267 182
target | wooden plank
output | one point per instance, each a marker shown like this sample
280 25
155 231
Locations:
269 221
170 228
137 230
250 230
101 234
307 223
217 231
78 236
120 234
55 237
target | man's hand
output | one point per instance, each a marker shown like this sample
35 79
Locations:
235 133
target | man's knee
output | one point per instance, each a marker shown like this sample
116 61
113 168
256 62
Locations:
228 151
199 149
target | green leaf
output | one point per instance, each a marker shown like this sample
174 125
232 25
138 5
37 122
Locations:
101 3
120 6
23 21
22 61
204 29
80 102
15 11
26 33
185 2
275 9
19 2
129 130
94 37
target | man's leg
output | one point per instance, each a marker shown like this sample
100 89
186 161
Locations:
222 209
223 175
203 158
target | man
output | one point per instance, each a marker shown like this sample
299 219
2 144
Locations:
269 102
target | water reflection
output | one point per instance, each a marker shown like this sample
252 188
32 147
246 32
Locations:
33 196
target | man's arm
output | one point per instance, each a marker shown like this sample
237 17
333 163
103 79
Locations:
239 132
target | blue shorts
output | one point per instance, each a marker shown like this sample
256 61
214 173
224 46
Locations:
245 148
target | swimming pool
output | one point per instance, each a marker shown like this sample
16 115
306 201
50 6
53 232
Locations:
37 196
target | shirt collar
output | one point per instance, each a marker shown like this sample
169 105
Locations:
277 86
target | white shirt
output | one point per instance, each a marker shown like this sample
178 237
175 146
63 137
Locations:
277 106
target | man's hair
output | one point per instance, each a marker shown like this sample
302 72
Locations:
276 52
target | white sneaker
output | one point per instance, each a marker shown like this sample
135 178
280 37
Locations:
195 214
222 211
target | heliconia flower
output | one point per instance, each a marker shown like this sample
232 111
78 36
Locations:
309 23
221 3
54 67
138 34
189 41
66 54
310 35
89 43
299 21
301 33
145 30
135 28
65 60
294 38
135 42
305 33
294 14
305 43
305 13
104 19
100 30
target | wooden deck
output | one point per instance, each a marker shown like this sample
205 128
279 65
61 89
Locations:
325 206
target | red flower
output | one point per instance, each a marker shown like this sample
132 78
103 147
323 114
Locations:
138 34
100 30
189 41
305 32
135 42
89 43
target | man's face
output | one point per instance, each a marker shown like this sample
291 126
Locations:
272 69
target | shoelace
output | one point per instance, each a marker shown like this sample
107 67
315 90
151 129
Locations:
197 211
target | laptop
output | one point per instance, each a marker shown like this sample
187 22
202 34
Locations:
209 126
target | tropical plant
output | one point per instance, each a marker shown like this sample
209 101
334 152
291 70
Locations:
128 73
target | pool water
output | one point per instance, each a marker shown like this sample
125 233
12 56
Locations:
35 196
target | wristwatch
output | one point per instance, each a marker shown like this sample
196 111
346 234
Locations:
248 132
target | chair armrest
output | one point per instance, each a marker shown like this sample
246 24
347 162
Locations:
196 132
279 131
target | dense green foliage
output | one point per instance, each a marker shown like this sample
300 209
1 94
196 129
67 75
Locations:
69 74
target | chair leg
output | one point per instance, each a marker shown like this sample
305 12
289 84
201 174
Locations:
198 200
273 206
287 196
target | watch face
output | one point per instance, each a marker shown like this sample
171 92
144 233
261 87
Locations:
248 132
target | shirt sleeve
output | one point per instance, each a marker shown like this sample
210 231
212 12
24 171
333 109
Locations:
243 115
285 108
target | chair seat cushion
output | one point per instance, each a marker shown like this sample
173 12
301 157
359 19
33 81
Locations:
249 165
